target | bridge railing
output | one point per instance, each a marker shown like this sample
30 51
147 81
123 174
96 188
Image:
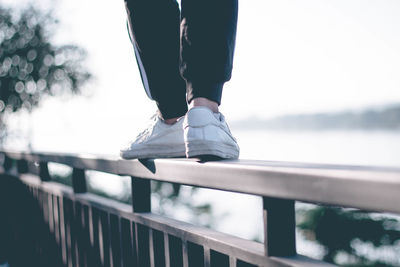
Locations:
93 231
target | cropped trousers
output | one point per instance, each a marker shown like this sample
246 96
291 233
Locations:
183 53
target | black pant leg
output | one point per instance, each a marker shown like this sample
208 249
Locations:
154 28
208 34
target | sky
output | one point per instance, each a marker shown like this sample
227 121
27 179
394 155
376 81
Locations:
291 57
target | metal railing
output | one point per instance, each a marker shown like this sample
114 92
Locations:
93 231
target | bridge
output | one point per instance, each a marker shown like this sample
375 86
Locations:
57 225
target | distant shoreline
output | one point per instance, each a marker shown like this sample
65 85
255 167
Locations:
386 118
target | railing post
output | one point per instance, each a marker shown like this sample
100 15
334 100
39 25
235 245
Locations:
22 166
279 227
141 195
79 180
44 172
141 202
7 163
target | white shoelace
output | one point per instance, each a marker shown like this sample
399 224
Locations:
149 129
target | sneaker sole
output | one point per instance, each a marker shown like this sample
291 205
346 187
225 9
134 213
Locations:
210 148
153 152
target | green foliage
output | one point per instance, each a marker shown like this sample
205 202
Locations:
169 197
337 230
30 65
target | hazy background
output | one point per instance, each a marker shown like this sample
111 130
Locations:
291 57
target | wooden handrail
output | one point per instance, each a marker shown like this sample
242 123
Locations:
364 187
279 184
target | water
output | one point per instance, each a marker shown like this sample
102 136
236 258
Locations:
241 215
338 147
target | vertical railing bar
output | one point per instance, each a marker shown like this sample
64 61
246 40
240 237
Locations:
45 209
120 241
133 232
62 225
232 261
96 257
68 230
67 227
35 195
110 243
51 213
59 223
107 239
151 248
166 249
207 257
91 230
70 237
38 241
80 235
44 172
185 256
56 220
79 180
71 228
115 248
100 235
90 252
279 227
137 243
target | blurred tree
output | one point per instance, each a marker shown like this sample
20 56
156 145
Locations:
338 230
30 65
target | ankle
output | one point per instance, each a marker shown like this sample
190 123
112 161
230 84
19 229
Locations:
171 121
204 102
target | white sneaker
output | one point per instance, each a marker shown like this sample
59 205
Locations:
207 133
159 140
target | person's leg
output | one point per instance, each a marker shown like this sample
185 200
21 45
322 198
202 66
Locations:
208 32
154 31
